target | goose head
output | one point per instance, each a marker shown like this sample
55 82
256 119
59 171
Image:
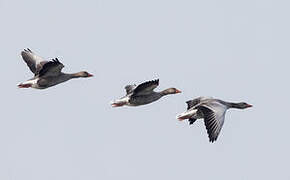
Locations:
83 74
242 105
170 91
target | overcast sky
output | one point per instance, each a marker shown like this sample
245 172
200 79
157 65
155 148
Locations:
232 50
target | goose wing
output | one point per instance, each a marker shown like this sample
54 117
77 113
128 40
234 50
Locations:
146 87
33 61
51 68
214 116
130 88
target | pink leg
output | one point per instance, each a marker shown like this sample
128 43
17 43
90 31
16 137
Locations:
24 85
117 105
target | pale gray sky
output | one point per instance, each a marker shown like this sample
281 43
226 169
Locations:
233 50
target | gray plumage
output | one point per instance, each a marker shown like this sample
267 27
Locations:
46 73
33 61
142 94
212 111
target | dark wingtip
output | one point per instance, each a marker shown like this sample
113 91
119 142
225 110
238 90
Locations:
212 139
157 80
154 81
55 60
27 50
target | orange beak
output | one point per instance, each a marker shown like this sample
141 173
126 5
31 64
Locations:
249 105
90 75
177 91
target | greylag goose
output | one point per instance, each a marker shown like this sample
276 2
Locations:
142 94
212 111
46 73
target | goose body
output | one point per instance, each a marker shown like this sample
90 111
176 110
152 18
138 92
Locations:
46 73
212 111
142 94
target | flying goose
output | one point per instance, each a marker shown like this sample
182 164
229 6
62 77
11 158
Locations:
142 94
212 111
46 73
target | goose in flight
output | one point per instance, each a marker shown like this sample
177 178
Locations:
143 94
46 73
212 111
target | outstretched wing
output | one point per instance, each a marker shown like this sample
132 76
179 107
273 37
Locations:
33 61
146 87
214 116
130 88
51 68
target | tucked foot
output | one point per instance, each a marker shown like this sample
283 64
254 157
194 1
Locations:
182 116
117 105
24 85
